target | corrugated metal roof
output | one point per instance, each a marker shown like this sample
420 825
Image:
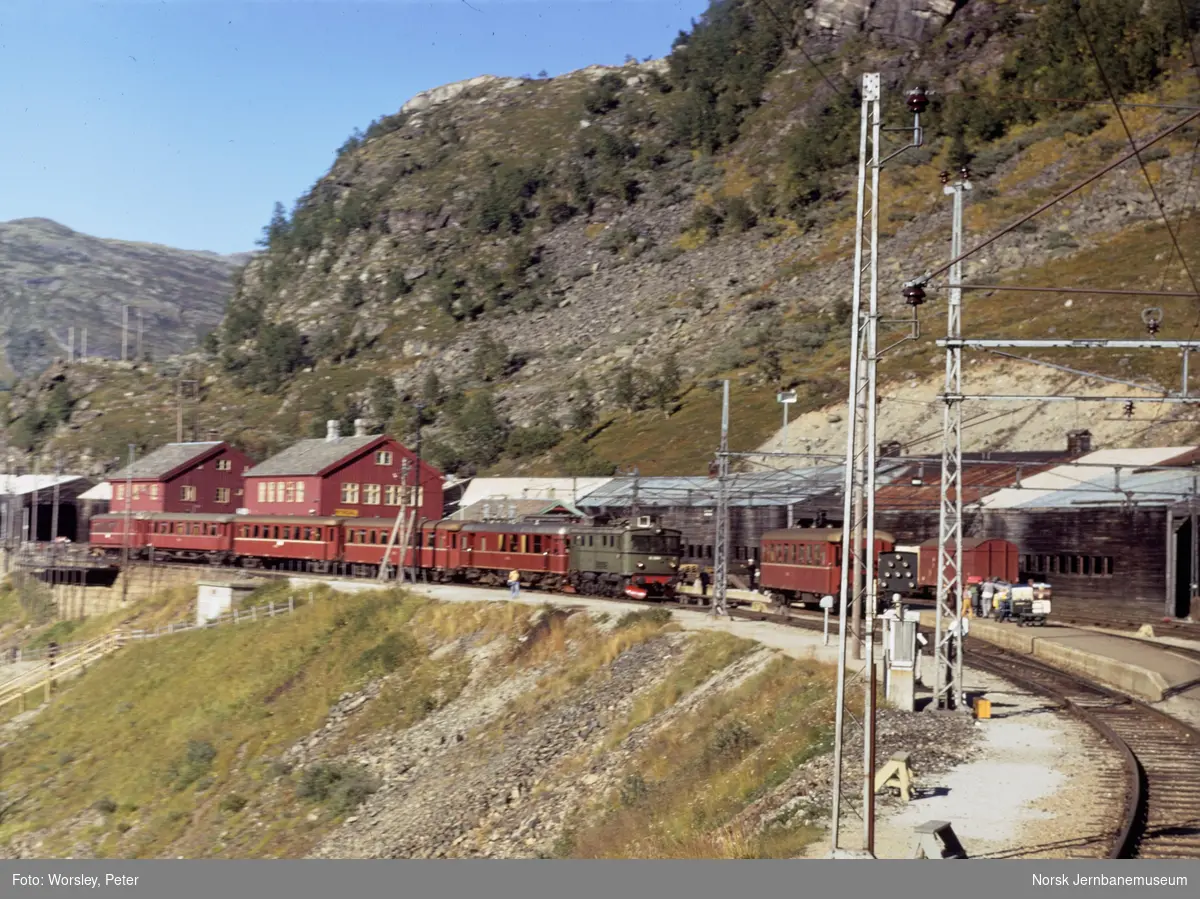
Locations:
102 492
745 489
164 460
1073 484
529 488
978 481
504 509
22 484
311 457
1143 488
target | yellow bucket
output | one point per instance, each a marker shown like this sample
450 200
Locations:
983 708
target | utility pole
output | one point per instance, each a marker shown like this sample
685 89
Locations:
33 509
417 495
721 538
124 332
947 667
54 508
139 336
1195 541
857 582
179 409
786 398
71 344
633 509
83 346
128 519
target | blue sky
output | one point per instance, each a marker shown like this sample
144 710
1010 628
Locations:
182 121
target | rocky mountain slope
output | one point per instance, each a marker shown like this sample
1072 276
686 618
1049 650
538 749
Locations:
53 279
561 271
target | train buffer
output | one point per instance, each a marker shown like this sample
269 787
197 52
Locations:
897 775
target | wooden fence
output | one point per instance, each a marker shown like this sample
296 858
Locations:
40 679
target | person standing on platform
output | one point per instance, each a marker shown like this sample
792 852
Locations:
514 584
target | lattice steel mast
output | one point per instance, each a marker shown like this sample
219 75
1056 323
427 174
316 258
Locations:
857 585
948 684
721 537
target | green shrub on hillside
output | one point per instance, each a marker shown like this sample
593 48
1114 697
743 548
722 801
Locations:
343 786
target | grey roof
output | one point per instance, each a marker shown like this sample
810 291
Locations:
164 460
311 457
745 489
1146 488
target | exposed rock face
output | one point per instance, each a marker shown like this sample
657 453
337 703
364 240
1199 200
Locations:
53 279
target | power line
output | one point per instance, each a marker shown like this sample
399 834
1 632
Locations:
1133 143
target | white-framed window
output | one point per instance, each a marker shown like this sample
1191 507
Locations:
222 494
291 492
154 491
187 494
262 491
393 494
350 493
371 494
224 465
120 491
299 491
270 491
383 457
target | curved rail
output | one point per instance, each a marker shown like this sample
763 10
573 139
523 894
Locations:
1161 753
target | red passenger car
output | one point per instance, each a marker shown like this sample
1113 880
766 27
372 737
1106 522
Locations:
107 535
298 544
486 553
803 564
189 538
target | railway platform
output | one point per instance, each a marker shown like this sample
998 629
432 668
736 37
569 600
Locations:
1147 670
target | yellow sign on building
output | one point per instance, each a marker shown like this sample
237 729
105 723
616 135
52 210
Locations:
345 513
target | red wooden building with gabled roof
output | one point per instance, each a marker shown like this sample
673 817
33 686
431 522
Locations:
364 476
182 477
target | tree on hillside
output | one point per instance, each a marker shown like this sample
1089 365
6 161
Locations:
480 431
666 387
431 390
384 400
491 360
626 391
583 406
277 230
59 404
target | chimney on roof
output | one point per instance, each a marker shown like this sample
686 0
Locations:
1079 442
331 430
360 427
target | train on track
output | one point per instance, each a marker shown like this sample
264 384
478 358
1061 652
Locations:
801 565
635 559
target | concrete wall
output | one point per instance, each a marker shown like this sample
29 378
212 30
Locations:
135 583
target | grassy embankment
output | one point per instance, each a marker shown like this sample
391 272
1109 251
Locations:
172 747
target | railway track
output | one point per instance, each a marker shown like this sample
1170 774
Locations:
1161 754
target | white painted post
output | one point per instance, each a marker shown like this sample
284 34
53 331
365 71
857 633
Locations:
826 605
291 604
271 609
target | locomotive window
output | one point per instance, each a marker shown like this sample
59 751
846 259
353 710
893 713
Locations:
1108 565
432 539
537 543
181 529
1075 564
1087 565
